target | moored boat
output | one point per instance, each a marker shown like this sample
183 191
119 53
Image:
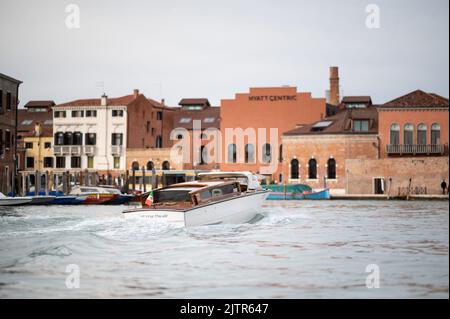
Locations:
93 195
13 201
41 200
120 199
322 194
296 192
68 200
199 203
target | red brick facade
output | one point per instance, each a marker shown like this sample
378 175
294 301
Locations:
422 116
9 89
367 155
281 108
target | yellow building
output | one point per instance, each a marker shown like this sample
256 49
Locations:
38 154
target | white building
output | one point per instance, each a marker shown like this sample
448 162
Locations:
90 134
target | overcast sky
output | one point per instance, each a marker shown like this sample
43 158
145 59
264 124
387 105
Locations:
215 48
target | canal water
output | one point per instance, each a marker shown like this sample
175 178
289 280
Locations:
300 249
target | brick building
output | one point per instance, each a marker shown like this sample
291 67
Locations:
260 110
316 154
395 148
413 125
9 92
413 134
195 119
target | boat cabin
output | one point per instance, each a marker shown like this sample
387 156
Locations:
190 194
247 180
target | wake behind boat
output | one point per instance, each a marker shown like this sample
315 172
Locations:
207 202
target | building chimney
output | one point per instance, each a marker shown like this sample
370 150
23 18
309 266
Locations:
37 129
104 100
135 93
334 85
163 102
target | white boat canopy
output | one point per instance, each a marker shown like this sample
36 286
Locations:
250 178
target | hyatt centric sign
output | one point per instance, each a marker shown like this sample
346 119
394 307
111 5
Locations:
272 98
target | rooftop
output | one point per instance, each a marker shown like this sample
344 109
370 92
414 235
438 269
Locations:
40 104
4 76
209 117
117 101
341 123
357 99
194 101
417 99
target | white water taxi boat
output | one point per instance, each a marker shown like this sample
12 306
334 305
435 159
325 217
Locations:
13 201
198 203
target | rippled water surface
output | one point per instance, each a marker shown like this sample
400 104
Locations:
300 249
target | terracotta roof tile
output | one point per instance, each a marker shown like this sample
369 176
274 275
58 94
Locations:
418 99
117 101
340 123
195 101
47 103
357 99
207 113
26 120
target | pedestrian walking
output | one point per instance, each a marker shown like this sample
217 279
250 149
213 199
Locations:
443 186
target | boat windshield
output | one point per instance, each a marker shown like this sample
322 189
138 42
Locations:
172 195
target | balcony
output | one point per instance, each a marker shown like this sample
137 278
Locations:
116 150
426 149
76 150
61 150
89 150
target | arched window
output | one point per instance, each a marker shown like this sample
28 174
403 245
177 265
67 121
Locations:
150 165
135 166
280 155
166 166
59 138
232 153
408 134
77 138
331 168
68 138
249 153
312 169
294 169
267 153
203 155
435 134
421 134
395 134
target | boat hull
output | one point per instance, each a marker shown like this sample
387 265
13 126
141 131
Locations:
236 210
67 200
14 201
97 199
41 200
120 200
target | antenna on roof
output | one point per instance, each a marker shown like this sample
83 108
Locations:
100 85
